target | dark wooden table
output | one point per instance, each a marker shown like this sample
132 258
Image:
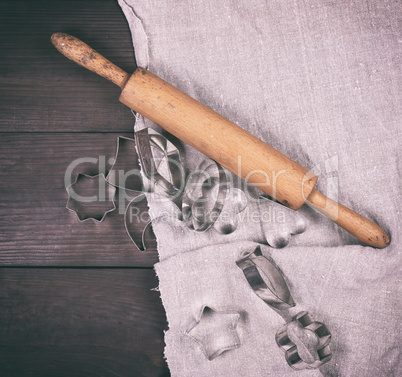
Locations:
76 299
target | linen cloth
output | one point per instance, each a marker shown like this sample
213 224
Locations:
320 82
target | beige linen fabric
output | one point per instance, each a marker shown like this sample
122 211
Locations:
319 81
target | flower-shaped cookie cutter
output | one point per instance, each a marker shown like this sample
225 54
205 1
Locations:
321 352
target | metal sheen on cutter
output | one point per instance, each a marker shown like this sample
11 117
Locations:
195 215
300 352
174 183
273 289
99 199
285 341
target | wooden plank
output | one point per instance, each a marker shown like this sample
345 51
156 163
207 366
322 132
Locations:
80 322
43 91
35 227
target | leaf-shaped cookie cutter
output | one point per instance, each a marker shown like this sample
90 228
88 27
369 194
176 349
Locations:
273 289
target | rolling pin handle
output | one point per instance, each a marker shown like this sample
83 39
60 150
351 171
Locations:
82 54
360 227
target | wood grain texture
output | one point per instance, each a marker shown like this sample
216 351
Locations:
360 227
36 228
40 89
80 322
71 321
78 51
218 138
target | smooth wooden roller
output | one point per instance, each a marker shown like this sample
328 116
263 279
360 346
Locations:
220 139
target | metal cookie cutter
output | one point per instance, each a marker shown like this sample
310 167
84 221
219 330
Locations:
125 172
304 341
91 197
196 210
169 173
161 165
215 331
138 223
235 203
279 223
273 289
314 356
160 162
202 197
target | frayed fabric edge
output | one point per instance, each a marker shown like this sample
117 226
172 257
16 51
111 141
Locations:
168 324
141 52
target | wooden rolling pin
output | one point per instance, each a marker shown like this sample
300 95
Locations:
220 139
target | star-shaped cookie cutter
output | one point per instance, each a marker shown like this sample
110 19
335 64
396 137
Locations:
215 331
